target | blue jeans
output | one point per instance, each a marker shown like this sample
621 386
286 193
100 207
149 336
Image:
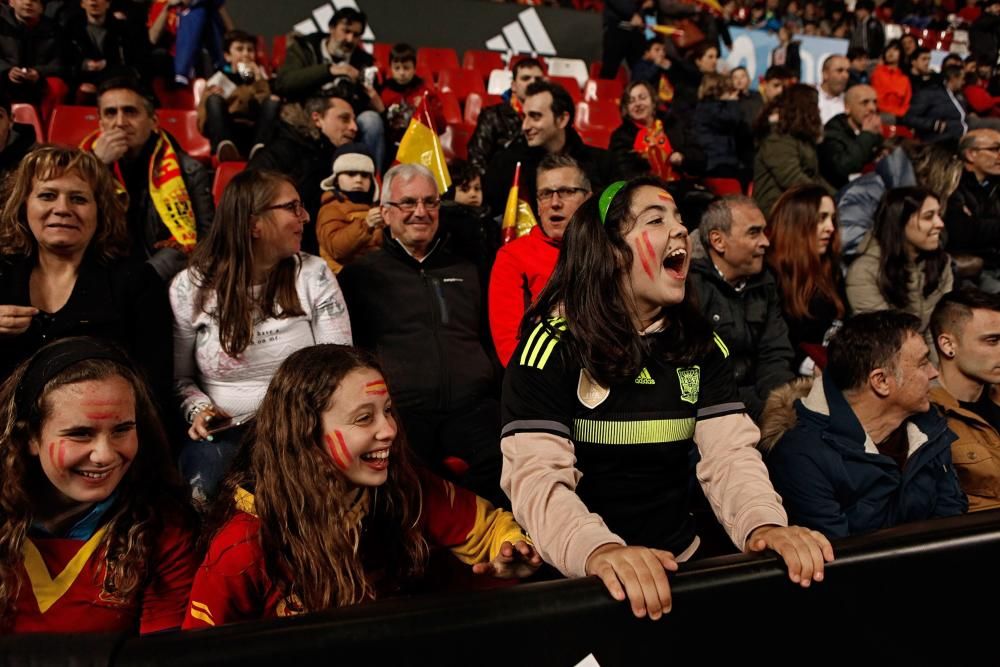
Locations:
371 132
199 26
203 463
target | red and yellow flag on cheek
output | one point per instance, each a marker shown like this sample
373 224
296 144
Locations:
421 145
517 216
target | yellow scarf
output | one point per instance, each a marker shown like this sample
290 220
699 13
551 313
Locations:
167 190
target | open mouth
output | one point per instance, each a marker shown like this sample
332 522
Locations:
676 262
95 475
379 460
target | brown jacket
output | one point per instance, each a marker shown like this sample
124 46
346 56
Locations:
343 233
240 103
976 453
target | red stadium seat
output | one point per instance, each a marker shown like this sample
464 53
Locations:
183 125
70 125
261 48
598 113
173 98
455 143
223 175
571 85
279 47
461 82
595 73
380 51
889 131
450 107
723 187
596 136
483 62
436 59
600 89
25 113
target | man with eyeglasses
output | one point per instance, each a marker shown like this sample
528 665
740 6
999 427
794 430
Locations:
523 266
972 218
420 308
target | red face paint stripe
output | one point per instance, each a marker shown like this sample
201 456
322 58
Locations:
62 454
645 262
343 446
331 446
376 388
665 196
100 415
649 246
52 451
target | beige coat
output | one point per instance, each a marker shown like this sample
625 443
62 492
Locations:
864 295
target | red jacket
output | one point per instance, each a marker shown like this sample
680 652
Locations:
60 595
981 101
521 269
893 89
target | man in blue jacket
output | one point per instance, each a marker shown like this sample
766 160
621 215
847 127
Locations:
867 451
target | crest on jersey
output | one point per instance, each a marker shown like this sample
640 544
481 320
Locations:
690 381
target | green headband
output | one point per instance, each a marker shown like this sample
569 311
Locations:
608 196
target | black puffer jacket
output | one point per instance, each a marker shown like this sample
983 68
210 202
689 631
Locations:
424 321
972 219
751 325
844 152
40 47
498 127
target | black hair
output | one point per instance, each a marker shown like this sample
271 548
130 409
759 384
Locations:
561 101
462 173
127 83
778 72
856 52
588 287
349 14
237 37
533 63
402 53
866 342
955 309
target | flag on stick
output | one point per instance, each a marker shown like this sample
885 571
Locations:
517 216
421 145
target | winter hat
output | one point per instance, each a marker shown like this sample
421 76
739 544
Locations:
352 157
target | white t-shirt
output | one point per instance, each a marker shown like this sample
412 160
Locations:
204 373
829 106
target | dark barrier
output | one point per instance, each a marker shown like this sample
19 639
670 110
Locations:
920 594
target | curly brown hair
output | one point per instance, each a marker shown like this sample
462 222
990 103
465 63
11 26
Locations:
309 533
798 114
49 162
150 491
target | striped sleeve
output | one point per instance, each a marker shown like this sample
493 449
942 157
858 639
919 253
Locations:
718 396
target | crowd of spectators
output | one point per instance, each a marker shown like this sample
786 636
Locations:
777 301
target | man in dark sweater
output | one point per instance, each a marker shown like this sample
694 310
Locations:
851 140
972 218
32 65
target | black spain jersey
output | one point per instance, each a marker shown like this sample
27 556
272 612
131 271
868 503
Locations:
632 440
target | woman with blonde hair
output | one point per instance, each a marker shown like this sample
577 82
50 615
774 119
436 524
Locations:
89 493
248 299
324 509
64 268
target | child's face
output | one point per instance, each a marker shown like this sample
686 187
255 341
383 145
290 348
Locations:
359 430
403 71
241 52
470 194
354 181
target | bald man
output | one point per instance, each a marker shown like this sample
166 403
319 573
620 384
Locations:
853 139
836 72
972 217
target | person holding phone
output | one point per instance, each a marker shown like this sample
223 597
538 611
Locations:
248 299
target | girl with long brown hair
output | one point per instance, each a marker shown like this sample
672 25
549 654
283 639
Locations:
248 299
88 494
323 508
805 260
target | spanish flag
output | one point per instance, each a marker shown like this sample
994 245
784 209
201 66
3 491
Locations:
517 216
420 145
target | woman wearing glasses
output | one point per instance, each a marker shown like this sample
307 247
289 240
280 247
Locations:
248 299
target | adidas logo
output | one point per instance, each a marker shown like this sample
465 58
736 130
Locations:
645 377
525 35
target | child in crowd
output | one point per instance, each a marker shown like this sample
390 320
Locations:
349 223
472 231
89 494
324 509
238 112
401 94
653 70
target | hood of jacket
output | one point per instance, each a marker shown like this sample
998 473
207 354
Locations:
779 411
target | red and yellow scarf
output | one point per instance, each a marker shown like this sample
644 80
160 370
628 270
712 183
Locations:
652 143
167 190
